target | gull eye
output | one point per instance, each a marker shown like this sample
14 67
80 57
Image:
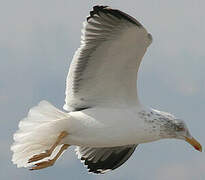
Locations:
179 128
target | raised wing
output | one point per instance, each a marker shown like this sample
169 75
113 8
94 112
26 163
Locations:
104 69
101 160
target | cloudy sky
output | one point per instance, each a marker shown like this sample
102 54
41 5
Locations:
37 42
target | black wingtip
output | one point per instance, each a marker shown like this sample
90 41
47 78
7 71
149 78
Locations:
115 12
113 161
97 7
96 10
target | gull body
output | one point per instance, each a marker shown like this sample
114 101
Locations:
88 126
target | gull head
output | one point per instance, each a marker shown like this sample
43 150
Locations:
171 127
177 128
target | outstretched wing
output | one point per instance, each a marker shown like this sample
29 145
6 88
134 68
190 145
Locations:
101 160
104 69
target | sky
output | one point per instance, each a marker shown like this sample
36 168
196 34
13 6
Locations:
37 41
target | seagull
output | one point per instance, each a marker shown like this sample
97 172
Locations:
105 119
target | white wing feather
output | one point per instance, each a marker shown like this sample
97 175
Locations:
104 69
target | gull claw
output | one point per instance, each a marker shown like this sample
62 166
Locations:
42 165
39 156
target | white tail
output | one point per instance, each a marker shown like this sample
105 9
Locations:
37 132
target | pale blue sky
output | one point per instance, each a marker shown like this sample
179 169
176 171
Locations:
37 41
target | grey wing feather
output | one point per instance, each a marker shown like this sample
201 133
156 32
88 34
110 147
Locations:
101 160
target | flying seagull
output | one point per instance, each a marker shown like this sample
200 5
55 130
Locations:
105 118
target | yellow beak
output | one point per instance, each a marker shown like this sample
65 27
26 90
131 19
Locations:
194 143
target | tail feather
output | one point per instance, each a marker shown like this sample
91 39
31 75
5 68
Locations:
37 132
